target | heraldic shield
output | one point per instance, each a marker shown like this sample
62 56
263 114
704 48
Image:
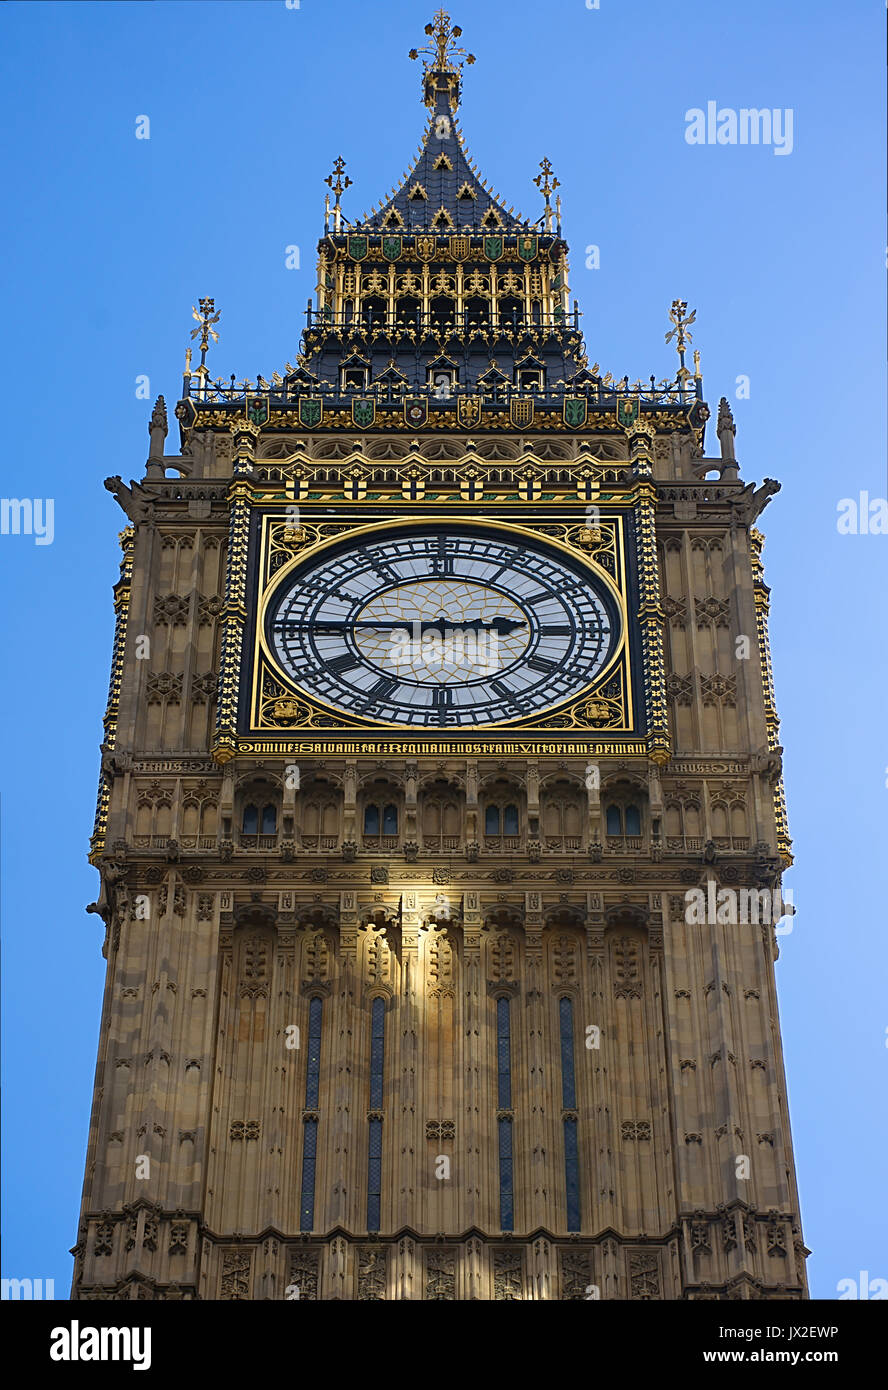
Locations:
576 408
425 247
310 412
416 412
358 246
493 247
527 247
363 413
391 247
468 410
460 247
627 412
521 413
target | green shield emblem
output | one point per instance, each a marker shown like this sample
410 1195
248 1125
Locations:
391 247
310 412
575 408
627 412
363 413
258 411
358 246
493 247
527 248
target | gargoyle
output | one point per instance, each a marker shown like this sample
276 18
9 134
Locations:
134 499
751 501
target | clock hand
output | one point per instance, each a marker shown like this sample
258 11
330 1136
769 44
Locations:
500 625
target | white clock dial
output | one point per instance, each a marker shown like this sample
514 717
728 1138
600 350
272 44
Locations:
441 628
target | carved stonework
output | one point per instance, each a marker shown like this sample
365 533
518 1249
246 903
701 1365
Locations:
440 1283
371 1273
627 977
234 1282
576 1275
644 1276
303 1276
508 1276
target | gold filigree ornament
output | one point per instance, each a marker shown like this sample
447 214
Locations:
589 536
286 710
601 709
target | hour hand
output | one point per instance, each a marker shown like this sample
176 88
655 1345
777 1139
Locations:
502 626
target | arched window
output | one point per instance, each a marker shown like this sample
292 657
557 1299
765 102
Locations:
371 820
269 820
510 820
511 312
442 310
250 822
374 312
569 1105
374 1149
408 310
504 1103
633 820
390 820
614 820
492 821
310 1125
477 313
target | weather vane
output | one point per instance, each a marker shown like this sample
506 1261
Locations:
680 331
205 320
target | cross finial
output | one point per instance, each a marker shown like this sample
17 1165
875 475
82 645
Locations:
546 187
205 320
336 181
542 180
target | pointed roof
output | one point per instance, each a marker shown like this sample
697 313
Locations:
443 190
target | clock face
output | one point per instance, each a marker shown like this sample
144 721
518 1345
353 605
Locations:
438 628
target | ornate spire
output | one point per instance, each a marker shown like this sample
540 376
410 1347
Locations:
680 332
205 319
442 64
338 184
547 189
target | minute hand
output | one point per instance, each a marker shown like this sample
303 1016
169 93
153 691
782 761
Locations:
502 626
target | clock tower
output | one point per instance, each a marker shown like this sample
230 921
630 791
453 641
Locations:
440 824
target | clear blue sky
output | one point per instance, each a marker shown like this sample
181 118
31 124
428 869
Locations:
109 240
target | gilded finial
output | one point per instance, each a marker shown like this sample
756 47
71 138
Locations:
442 62
680 331
205 320
339 184
546 187
336 181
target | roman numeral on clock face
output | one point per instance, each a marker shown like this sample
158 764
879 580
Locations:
442 563
383 689
341 664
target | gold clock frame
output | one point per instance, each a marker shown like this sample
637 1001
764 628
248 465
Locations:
282 718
